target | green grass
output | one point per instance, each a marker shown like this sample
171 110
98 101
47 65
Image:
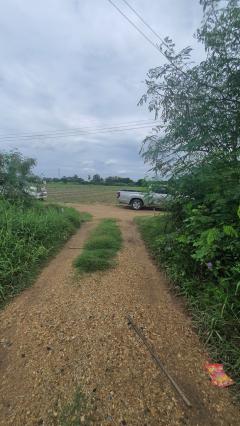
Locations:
88 194
76 413
151 227
29 235
100 250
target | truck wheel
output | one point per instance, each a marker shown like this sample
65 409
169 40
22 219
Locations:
136 204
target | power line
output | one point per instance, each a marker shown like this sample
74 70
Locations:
135 122
79 133
136 27
77 129
145 23
199 83
76 132
144 35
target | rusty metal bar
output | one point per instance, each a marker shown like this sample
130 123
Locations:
158 361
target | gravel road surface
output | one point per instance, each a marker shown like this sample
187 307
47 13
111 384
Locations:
68 332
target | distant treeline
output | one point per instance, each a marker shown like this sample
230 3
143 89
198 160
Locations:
98 180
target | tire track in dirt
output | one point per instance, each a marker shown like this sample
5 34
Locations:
65 332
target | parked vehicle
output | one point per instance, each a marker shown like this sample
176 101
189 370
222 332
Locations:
40 193
138 199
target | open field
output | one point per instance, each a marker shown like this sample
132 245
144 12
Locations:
75 193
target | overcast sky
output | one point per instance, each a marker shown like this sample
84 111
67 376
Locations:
77 63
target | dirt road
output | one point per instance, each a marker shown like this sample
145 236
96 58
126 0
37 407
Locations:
66 333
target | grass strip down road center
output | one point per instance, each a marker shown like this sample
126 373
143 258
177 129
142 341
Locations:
101 248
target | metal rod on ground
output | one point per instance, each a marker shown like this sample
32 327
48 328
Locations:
75 248
158 361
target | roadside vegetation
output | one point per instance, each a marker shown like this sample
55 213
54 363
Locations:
100 250
29 235
30 232
197 241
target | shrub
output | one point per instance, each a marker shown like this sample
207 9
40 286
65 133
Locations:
202 257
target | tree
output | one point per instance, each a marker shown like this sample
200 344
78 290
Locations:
141 182
199 106
97 179
197 143
80 180
15 174
116 180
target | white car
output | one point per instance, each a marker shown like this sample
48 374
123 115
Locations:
137 199
39 194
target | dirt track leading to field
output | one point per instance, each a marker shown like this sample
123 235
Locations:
66 333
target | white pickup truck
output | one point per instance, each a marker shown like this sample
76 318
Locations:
40 193
137 199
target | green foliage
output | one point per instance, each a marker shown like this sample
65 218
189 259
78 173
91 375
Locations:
202 257
199 104
117 180
101 248
28 236
197 143
97 180
15 175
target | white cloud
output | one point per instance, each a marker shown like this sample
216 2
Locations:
110 162
87 163
68 64
88 170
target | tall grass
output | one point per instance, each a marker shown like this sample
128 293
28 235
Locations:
101 248
28 236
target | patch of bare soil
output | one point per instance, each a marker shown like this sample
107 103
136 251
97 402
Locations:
66 332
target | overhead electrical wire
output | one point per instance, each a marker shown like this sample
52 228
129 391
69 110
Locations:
76 133
76 129
145 23
200 83
136 27
149 40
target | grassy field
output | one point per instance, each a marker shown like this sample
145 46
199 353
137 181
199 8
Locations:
75 193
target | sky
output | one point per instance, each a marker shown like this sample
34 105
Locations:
77 64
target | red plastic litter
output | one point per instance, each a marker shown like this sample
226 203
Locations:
218 376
